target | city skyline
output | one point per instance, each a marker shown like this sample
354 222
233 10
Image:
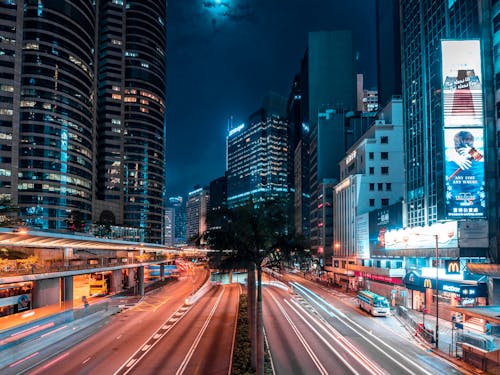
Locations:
224 62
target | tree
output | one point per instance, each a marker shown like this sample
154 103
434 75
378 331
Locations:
244 237
8 213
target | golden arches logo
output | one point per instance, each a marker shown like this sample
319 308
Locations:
428 283
453 267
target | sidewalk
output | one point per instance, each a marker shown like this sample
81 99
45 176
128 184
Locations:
447 338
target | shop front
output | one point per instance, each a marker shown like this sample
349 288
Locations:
422 294
388 286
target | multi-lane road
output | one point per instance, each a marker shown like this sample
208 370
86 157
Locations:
310 329
317 330
160 335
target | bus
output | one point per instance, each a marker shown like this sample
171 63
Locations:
373 303
98 285
15 298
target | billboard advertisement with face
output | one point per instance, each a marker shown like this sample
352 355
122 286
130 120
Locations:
464 169
462 83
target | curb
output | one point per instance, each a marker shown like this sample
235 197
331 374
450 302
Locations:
468 369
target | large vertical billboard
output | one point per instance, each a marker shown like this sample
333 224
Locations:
463 129
462 83
464 166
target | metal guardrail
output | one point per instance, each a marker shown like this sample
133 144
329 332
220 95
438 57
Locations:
420 330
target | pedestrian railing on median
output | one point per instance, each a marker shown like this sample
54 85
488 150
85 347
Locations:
419 329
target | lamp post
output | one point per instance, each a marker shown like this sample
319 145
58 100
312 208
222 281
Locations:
437 291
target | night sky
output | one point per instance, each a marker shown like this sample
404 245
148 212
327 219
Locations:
223 56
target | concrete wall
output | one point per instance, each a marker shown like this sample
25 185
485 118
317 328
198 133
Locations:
116 281
47 291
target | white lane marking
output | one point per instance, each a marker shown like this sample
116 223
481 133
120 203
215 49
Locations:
303 341
145 347
338 314
167 326
84 362
354 352
118 337
197 340
126 367
157 336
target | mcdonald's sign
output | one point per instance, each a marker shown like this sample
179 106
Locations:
452 267
428 283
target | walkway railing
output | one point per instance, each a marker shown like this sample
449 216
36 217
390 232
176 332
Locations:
420 330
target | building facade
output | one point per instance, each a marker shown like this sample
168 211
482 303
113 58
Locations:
450 192
258 156
196 214
82 113
371 179
329 91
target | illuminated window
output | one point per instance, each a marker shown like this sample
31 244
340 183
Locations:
7 88
27 103
145 65
5 111
144 110
31 46
116 42
130 99
5 136
144 101
115 88
116 96
116 121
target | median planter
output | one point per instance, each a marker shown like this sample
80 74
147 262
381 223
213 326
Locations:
242 346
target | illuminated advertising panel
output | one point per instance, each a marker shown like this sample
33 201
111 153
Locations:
463 129
462 83
464 170
422 237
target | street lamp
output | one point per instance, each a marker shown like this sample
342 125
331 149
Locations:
437 291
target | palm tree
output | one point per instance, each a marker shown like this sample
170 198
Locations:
245 236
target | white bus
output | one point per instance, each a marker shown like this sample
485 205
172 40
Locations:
373 303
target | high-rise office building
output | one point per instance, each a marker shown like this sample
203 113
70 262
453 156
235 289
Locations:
177 205
258 155
450 165
82 113
388 50
329 91
131 112
196 214
298 156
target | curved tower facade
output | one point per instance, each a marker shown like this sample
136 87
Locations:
56 114
144 114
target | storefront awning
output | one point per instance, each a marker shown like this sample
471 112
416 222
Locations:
464 288
491 270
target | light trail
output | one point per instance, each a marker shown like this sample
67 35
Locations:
140 353
345 319
303 341
197 340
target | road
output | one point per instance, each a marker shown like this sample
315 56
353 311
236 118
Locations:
317 330
201 343
104 347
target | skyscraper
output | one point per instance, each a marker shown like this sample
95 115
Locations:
329 91
388 50
131 113
82 113
450 165
196 214
258 155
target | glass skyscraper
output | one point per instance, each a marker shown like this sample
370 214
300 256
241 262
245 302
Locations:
85 81
258 155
